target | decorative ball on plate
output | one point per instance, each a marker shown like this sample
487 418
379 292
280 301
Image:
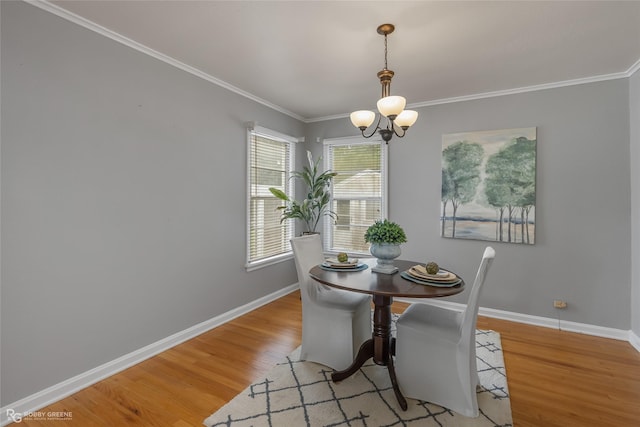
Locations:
432 268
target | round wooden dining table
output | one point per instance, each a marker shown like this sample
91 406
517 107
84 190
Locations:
383 288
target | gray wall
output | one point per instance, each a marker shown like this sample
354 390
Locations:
123 200
634 114
582 250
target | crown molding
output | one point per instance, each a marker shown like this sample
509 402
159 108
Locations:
633 69
515 91
524 89
65 14
90 25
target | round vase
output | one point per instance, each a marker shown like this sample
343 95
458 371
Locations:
385 253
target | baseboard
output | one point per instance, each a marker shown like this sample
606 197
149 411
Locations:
61 390
634 340
564 325
72 385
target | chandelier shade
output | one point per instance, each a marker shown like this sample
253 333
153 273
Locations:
362 119
390 107
406 118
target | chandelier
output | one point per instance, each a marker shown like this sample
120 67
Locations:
391 107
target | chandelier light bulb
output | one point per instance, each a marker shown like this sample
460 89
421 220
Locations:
362 119
391 106
406 119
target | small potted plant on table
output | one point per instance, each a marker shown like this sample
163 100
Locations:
385 238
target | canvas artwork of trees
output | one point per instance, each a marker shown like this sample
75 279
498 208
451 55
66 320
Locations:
489 185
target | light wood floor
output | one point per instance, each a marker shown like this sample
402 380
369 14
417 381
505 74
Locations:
555 378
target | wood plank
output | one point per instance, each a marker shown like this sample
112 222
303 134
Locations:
559 378
555 378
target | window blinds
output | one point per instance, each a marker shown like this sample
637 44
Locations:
270 162
357 193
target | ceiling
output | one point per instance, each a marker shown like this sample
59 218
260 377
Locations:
319 59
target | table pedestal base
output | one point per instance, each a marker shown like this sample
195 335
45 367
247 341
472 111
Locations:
379 347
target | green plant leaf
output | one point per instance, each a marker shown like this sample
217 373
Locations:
279 194
385 232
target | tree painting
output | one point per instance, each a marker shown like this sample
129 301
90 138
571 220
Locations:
461 172
489 185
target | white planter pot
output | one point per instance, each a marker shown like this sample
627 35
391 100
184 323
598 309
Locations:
385 253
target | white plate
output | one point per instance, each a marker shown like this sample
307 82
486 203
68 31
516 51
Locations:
333 262
357 267
420 273
414 279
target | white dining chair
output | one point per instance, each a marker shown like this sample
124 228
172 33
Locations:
436 350
335 323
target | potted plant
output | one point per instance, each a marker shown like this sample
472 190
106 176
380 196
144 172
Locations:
316 204
385 238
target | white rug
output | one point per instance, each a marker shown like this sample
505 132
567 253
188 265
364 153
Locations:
297 393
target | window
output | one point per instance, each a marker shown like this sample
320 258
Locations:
270 162
358 193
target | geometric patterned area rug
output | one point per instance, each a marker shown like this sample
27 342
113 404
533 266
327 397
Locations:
298 393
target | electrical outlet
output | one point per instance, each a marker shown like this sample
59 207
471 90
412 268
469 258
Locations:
558 303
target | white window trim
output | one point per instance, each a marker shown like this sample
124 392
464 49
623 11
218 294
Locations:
265 262
275 259
357 140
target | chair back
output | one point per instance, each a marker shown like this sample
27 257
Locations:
470 315
307 251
